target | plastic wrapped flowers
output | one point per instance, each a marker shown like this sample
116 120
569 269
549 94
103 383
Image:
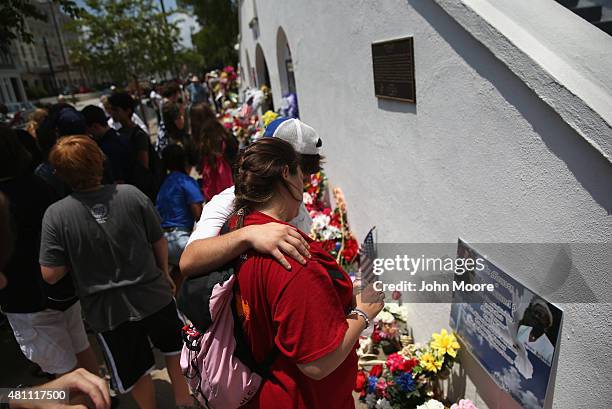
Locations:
390 327
330 226
434 404
409 378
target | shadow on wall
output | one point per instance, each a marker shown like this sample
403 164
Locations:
396 106
588 166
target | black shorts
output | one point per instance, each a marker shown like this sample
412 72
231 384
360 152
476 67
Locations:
128 348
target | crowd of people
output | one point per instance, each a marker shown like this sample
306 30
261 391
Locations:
101 225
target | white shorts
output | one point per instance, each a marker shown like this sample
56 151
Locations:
51 338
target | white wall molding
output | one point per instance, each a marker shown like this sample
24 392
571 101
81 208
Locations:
567 89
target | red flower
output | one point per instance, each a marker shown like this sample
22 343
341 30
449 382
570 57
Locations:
409 364
335 220
376 338
376 370
350 250
395 362
361 383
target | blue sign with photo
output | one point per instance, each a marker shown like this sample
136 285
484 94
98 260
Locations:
512 332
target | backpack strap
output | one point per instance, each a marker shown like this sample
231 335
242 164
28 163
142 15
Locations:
243 349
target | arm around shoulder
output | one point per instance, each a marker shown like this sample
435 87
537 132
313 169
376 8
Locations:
202 256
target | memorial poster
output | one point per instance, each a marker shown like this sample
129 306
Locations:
512 332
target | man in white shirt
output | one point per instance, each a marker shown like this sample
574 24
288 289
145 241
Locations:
206 250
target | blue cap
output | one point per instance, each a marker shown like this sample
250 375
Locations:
71 122
271 128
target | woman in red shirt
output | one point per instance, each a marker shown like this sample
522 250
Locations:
218 149
307 318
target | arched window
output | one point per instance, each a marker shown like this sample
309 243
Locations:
263 76
285 62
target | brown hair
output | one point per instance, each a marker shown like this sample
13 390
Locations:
208 135
199 116
171 111
259 171
78 161
170 89
311 164
35 119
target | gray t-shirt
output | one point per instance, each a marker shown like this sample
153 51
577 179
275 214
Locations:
105 237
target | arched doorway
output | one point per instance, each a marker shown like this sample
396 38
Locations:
285 62
289 104
263 75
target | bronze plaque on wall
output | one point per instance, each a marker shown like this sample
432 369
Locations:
393 63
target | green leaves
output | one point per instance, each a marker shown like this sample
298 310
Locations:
125 39
219 32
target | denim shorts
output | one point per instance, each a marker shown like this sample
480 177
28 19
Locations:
177 240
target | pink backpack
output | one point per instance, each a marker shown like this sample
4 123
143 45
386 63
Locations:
216 358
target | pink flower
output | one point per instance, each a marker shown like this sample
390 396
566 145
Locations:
464 404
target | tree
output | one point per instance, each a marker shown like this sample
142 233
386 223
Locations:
124 39
13 15
219 33
189 61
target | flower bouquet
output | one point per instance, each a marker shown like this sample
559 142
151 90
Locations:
330 226
409 378
435 404
391 329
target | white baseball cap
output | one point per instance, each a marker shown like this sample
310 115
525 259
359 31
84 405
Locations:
304 138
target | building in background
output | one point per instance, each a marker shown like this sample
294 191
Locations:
509 141
11 87
45 64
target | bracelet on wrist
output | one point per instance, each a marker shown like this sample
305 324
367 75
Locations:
363 315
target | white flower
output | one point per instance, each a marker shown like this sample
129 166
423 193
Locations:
385 317
370 400
383 404
393 308
320 221
399 312
307 198
431 404
331 233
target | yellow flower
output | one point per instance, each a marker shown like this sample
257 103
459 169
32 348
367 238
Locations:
430 362
445 343
268 117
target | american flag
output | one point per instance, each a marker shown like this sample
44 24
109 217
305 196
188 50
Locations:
367 254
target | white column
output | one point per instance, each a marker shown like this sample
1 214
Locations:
22 89
3 93
11 91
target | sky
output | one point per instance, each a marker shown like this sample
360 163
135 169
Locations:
187 21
